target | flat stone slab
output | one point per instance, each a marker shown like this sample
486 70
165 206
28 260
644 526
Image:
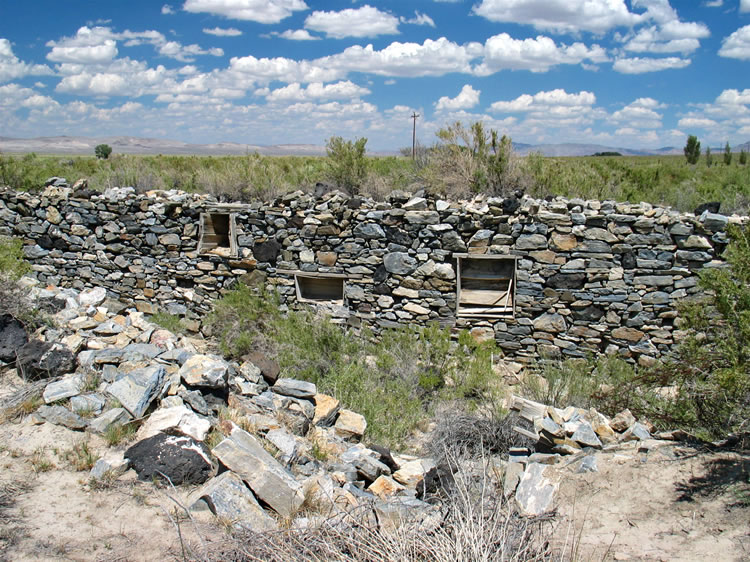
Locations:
59 415
136 390
180 418
535 494
228 497
110 418
295 389
269 480
65 388
205 371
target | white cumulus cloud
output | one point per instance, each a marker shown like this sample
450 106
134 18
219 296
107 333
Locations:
467 98
366 21
222 32
419 19
166 10
503 52
261 11
737 45
640 114
596 16
12 68
317 91
638 65
744 5
297 35
696 122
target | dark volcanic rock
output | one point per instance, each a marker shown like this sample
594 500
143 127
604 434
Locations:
269 368
267 251
711 207
180 458
12 337
567 280
41 360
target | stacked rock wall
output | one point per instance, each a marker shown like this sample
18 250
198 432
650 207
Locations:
591 277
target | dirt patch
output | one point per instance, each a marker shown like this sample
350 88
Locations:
668 503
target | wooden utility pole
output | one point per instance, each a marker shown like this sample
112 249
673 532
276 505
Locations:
414 136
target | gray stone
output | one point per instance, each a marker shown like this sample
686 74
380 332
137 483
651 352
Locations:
284 442
205 371
535 494
112 465
111 418
176 418
550 323
531 242
588 464
227 497
269 481
136 390
369 230
586 436
93 403
59 415
65 388
399 263
295 389
369 468
636 432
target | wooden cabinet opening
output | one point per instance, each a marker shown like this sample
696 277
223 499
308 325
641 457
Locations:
485 286
320 288
217 234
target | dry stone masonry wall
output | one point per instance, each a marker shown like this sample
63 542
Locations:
560 277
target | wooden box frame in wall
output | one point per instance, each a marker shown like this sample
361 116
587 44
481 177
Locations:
317 287
218 233
485 285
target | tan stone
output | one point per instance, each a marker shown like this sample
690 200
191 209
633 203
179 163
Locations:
385 486
564 242
416 309
325 407
628 334
350 425
327 258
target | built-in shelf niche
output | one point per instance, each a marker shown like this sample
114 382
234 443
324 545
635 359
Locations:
485 285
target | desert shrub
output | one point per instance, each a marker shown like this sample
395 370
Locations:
409 371
711 371
471 160
102 151
473 522
12 264
607 383
459 433
168 321
346 162
242 320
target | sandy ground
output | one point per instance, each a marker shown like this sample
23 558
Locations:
672 502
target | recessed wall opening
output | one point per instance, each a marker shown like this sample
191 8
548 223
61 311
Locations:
485 286
218 234
320 288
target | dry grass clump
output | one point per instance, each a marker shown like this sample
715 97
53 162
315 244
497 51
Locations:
461 434
10 530
473 523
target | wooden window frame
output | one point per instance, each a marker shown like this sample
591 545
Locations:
207 230
302 278
483 291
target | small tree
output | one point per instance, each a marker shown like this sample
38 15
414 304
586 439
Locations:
743 157
727 154
347 165
709 158
102 151
692 149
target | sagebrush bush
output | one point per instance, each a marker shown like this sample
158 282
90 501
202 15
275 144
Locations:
346 163
409 370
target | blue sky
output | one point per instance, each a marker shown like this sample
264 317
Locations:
627 73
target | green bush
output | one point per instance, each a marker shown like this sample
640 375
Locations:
346 163
711 372
692 149
12 263
409 371
474 160
102 151
168 322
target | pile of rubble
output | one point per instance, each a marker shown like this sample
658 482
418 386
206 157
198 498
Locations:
258 446
570 439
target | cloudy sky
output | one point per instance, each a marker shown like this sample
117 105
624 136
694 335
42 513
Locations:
628 73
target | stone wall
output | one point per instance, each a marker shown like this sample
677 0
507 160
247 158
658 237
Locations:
590 276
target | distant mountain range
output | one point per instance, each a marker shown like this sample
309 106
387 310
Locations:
137 145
